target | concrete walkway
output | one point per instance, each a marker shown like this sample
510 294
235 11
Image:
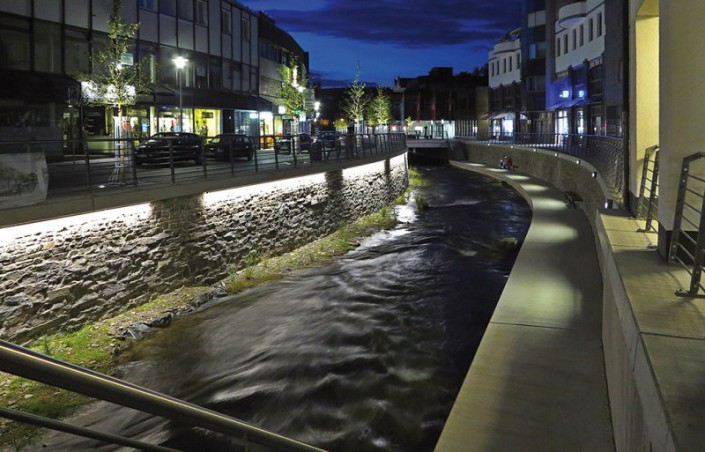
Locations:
537 382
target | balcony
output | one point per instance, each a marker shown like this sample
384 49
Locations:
569 15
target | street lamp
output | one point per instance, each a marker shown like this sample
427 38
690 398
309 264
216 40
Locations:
180 63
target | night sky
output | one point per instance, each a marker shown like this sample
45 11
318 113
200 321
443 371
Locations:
391 38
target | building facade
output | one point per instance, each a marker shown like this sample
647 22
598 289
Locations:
504 67
277 48
45 46
557 75
440 100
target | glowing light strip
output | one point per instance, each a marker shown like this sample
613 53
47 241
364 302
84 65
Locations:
129 215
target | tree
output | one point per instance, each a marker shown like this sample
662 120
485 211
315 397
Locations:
115 81
355 100
380 108
293 93
293 88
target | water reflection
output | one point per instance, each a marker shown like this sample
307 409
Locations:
367 353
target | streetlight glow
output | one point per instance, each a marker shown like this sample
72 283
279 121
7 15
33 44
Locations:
180 63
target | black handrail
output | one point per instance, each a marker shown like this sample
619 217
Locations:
35 366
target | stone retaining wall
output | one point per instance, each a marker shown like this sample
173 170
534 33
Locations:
60 274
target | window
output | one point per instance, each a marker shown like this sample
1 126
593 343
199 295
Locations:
186 9
201 12
518 63
226 21
565 43
575 38
147 4
590 28
504 65
599 24
245 29
536 83
558 47
167 7
582 34
77 51
14 43
510 64
47 47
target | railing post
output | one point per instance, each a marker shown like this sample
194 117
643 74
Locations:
171 161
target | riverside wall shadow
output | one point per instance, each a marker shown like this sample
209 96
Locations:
60 274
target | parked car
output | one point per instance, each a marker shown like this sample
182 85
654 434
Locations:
303 143
327 139
185 146
219 146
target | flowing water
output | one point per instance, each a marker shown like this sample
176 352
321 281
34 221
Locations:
364 354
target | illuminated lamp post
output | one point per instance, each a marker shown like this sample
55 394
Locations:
180 63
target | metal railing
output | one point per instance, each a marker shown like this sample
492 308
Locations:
22 362
605 153
687 246
647 204
74 166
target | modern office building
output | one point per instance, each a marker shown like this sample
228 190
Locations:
45 45
277 48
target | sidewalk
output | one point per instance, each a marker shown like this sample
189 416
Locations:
537 382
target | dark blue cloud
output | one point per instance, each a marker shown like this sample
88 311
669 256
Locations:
407 23
391 38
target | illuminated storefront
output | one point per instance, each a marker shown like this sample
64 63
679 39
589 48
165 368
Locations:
207 122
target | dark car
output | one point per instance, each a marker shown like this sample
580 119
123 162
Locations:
184 146
327 140
303 143
220 146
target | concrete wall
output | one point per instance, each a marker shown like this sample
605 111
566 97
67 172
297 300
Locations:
562 171
639 416
60 274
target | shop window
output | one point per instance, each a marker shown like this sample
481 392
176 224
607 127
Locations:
186 9
226 21
47 47
14 44
202 12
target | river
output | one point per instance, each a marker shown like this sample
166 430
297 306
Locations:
366 353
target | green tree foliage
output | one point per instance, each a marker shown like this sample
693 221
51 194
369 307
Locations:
355 100
112 82
293 88
380 108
